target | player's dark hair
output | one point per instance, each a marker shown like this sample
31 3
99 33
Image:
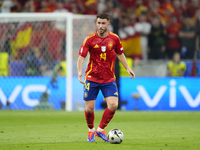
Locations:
103 16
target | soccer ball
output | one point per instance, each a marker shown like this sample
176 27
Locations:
115 136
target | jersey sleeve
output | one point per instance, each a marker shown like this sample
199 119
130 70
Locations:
119 48
84 48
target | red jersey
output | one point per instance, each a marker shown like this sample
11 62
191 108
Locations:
173 43
102 56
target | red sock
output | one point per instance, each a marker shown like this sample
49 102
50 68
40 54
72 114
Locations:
107 116
89 119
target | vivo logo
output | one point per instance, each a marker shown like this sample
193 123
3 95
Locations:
152 102
25 94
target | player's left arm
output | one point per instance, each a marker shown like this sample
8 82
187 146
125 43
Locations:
122 59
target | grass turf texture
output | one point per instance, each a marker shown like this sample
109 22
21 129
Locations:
60 130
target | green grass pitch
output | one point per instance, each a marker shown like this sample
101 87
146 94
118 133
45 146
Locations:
60 130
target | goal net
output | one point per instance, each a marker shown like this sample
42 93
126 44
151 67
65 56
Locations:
37 52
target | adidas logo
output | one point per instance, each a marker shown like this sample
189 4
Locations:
96 46
115 93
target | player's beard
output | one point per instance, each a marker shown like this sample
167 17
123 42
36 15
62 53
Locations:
102 31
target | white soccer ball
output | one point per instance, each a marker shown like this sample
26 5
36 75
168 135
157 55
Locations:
115 136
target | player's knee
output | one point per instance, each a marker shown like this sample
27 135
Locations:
113 106
89 109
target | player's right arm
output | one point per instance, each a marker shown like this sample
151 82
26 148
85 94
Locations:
83 53
80 68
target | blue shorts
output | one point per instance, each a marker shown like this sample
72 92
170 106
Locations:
91 90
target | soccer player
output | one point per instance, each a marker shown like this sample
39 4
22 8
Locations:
103 47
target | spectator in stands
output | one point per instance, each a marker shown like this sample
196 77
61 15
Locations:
60 7
114 12
7 31
125 5
111 9
178 11
60 24
157 40
167 4
132 17
61 67
4 33
166 17
154 10
187 39
197 26
38 36
184 4
143 27
173 43
74 9
55 40
138 4
67 5
4 63
10 6
192 7
80 6
6 6
91 7
34 66
52 5
43 7
176 68
101 6
29 6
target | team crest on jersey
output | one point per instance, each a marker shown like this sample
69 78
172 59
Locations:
110 45
103 48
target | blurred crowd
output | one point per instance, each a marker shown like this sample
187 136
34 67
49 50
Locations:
164 26
149 29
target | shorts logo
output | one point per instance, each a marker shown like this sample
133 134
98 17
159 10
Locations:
103 48
85 94
115 93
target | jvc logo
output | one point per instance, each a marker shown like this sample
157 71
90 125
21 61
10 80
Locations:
172 95
25 94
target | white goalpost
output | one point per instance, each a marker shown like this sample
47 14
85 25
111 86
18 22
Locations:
77 27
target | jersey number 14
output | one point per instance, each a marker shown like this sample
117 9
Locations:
103 56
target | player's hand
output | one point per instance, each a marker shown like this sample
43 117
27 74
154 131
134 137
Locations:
80 78
130 72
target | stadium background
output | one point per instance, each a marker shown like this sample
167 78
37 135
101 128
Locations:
36 51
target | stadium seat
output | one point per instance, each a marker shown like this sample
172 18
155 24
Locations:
188 69
18 68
